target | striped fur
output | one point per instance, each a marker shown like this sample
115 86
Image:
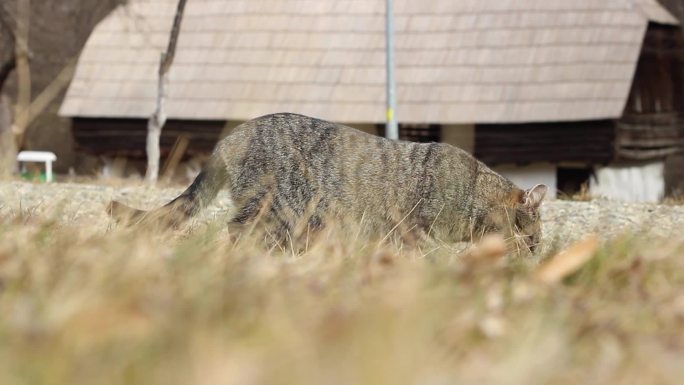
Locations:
293 170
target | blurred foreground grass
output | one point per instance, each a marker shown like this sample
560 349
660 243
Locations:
136 306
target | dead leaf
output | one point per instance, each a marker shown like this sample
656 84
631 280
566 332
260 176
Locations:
489 250
567 261
492 326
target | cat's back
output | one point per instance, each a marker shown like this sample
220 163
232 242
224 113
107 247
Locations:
289 135
285 124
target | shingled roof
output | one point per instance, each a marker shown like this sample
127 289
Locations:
459 61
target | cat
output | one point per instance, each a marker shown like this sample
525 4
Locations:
290 170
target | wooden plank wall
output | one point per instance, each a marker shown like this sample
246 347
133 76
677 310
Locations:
583 142
674 176
649 137
127 137
653 123
422 133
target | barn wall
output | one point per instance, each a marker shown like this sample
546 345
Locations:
630 183
652 126
128 136
459 135
462 136
590 142
529 176
674 176
367 128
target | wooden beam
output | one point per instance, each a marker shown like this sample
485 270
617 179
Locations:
646 154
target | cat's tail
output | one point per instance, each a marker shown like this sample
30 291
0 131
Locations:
200 194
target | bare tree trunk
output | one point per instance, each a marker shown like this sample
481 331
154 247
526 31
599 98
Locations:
154 127
8 151
23 70
8 32
158 118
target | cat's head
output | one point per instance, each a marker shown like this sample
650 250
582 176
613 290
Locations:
527 221
516 216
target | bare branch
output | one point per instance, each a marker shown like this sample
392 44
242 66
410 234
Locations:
175 30
158 118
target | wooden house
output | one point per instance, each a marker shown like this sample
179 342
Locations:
554 91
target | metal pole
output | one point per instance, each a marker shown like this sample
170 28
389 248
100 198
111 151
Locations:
392 129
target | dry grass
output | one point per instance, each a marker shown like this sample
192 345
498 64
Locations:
583 195
140 306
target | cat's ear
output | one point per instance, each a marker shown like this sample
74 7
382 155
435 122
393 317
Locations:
533 197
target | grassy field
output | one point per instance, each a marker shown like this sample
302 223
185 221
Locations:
197 306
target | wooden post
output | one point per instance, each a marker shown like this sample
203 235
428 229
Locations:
158 118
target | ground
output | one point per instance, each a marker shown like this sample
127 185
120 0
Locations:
83 301
564 221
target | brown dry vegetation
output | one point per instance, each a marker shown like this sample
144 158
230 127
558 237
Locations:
197 306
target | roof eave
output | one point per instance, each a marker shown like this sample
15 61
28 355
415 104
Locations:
656 13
